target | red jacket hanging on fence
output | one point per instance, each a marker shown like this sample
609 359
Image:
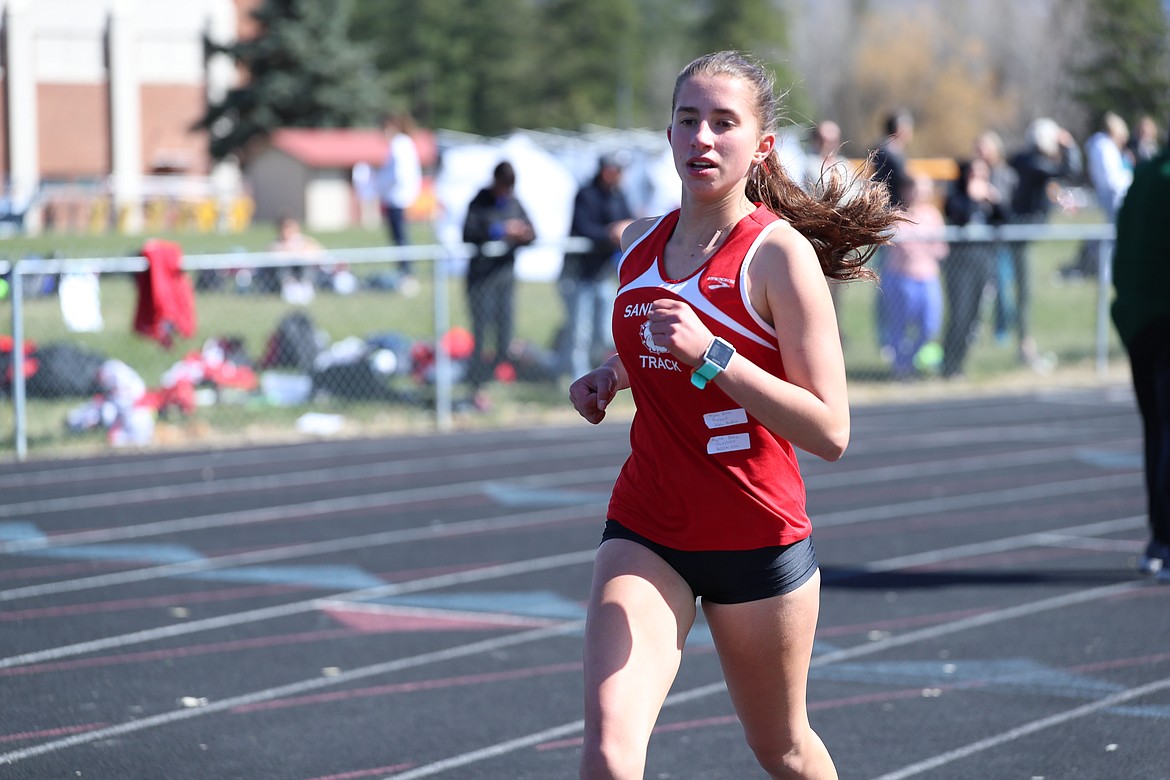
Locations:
166 301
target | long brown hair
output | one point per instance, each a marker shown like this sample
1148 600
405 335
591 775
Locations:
845 217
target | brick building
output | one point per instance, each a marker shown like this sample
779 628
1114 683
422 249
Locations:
97 99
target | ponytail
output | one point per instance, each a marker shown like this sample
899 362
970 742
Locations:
845 217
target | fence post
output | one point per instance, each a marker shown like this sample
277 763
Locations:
442 358
1104 288
20 421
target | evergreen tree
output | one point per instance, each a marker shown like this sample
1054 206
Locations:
755 26
589 55
459 64
1127 69
302 70
503 63
488 68
665 44
420 53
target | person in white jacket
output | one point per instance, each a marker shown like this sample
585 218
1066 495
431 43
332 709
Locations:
1109 171
399 180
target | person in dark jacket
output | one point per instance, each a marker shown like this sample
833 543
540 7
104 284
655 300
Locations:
1051 155
889 165
600 214
497 224
889 158
970 267
1141 314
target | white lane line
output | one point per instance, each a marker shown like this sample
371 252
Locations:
268 457
1057 719
502 748
492 751
219 486
1056 432
475 526
174 463
282 610
943 629
944 466
292 689
539 518
979 621
307 549
251 484
1092 545
479 575
332 506
977 500
684 695
1005 544
326 506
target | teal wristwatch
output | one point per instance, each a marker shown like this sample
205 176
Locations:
715 359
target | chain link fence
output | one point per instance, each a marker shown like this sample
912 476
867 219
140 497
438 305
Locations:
347 343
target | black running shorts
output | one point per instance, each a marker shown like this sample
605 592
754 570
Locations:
732 576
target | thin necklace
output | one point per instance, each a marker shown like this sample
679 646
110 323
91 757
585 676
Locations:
714 236
705 246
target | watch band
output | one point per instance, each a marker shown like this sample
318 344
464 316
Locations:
704 374
715 359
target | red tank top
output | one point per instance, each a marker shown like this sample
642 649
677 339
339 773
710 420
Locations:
703 474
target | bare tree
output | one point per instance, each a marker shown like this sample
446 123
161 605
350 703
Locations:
960 67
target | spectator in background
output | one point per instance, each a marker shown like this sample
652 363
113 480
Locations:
972 200
300 281
1141 314
823 161
291 239
600 214
889 165
889 158
910 284
494 215
1144 145
399 182
989 148
1050 156
295 281
824 157
1110 171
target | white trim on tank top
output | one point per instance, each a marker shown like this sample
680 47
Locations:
688 290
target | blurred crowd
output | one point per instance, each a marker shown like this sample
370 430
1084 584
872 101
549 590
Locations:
933 294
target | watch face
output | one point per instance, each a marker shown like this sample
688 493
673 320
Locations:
720 353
